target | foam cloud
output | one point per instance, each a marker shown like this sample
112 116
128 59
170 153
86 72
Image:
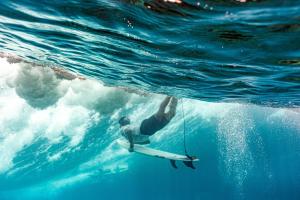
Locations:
94 95
36 103
37 85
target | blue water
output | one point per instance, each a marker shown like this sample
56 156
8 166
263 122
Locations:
70 69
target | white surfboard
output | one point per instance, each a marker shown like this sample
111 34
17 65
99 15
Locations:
155 153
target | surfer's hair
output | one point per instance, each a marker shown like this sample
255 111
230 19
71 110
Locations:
123 121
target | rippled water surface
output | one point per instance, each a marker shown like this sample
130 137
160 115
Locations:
209 50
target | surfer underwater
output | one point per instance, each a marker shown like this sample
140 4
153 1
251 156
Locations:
140 134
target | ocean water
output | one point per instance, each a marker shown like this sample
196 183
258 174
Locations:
70 69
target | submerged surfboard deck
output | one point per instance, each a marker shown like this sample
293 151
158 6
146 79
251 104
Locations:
155 153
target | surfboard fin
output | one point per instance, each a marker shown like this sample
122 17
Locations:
189 164
173 163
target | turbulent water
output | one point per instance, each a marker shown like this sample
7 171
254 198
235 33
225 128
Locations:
70 69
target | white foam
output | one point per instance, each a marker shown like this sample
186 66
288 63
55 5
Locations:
35 104
37 85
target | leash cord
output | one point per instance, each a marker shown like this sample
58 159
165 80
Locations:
184 127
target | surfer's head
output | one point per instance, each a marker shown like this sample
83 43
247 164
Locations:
123 121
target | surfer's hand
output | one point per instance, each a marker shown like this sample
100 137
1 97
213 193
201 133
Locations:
130 149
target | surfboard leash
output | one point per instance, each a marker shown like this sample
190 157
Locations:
184 133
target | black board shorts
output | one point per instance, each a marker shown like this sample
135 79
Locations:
151 125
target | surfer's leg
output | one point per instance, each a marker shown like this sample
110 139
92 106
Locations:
172 108
161 111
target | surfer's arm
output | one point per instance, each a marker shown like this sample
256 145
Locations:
128 133
130 139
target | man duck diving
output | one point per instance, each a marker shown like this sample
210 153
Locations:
140 134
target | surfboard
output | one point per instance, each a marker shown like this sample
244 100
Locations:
142 149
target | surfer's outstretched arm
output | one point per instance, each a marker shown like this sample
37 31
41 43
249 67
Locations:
129 136
130 139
